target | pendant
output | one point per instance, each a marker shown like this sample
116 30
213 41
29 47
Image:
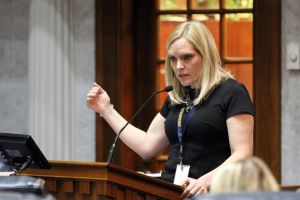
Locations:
189 105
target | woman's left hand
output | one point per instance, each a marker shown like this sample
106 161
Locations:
194 187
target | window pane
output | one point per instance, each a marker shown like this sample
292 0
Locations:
205 4
212 21
160 84
244 74
238 4
238 33
172 4
167 24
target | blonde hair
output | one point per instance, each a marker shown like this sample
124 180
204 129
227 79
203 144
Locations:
244 176
212 73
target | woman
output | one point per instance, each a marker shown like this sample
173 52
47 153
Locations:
207 119
249 175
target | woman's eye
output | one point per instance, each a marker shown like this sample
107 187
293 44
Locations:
187 57
173 58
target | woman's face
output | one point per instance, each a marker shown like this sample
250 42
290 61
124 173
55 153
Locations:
186 62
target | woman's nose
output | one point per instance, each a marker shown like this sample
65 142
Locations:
179 65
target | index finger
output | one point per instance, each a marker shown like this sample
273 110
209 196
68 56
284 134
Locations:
100 89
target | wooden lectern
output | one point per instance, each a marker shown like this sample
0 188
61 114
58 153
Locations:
96 180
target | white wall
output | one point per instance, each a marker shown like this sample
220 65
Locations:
290 127
84 77
13 65
14 35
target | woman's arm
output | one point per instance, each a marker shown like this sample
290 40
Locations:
146 144
240 133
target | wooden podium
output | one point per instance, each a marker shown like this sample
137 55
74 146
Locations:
96 180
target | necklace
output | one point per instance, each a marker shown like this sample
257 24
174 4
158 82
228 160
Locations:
189 104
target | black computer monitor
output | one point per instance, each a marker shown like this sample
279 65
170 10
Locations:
16 149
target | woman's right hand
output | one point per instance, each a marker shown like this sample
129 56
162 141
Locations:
97 99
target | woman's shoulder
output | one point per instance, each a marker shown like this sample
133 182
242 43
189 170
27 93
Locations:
232 85
236 98
228 88
230 82
166 107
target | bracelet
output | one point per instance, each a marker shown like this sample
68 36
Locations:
109 109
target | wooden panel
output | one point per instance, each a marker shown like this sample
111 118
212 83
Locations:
125 67
145 64
127 84
135 195
84 187
267 82
84 180
51 186
115 71
68 186
106 67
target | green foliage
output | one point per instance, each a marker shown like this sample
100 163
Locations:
208 4
239 3
170 4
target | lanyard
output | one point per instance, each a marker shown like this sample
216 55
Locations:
182 127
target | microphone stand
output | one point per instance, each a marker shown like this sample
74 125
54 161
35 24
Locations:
113 146
26 163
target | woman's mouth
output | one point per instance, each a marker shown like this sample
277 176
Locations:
183 75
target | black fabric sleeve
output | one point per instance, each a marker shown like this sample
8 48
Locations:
165 109
237 101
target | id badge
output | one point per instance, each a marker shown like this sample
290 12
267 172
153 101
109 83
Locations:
182 172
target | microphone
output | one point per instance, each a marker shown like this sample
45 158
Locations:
112 148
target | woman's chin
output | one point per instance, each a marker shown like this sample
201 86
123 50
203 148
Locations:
185 84
192 84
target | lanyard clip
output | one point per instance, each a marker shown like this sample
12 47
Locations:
180 155
180 162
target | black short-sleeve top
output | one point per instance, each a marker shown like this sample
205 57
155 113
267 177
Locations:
205 140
